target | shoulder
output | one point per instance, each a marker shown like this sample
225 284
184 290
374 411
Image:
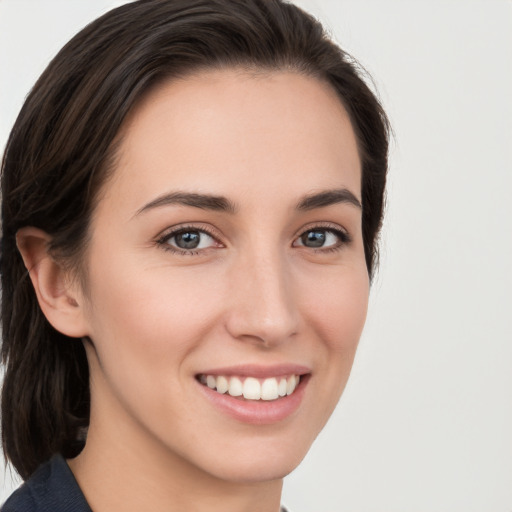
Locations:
52 488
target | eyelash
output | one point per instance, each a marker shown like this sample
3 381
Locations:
163 241
343 236
168 235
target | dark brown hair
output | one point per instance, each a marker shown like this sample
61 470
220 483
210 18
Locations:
60 153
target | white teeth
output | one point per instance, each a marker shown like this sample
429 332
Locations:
282 387
291 383
252 388
211 381
222 384
269 389
235 387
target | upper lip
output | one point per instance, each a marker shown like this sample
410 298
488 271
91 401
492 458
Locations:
261 371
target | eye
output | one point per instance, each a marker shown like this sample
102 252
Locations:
322 238
188 240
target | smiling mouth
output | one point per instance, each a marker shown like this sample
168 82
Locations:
251 388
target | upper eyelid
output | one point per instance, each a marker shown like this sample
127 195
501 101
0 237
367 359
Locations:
325 225
180 228
169 232
163 240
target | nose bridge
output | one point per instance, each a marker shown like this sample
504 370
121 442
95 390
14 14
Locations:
263 305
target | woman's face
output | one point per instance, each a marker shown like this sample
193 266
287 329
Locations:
226 252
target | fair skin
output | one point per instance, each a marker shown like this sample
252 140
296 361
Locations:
265 281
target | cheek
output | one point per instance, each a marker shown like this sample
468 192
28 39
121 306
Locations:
337 314
145 324
337 310
150 323
151 309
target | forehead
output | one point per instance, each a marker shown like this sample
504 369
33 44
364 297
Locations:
219 130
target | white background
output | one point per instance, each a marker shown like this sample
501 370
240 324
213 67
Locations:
425 423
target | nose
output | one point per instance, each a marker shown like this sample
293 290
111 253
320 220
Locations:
262 303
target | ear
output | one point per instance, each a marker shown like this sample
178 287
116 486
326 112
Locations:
59 296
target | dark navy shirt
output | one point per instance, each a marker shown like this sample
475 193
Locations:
52 488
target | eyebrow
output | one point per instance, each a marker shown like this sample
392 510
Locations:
328 198
222 204
203 201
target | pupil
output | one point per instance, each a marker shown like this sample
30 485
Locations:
188 240
314 238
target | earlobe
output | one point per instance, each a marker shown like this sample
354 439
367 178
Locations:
58 295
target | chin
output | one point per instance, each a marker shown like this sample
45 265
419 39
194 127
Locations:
258 460
256 471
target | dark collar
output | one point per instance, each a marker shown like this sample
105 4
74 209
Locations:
52 488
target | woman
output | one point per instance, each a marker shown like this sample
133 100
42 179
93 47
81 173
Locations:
192 196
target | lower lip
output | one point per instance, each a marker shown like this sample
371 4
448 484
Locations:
257 412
